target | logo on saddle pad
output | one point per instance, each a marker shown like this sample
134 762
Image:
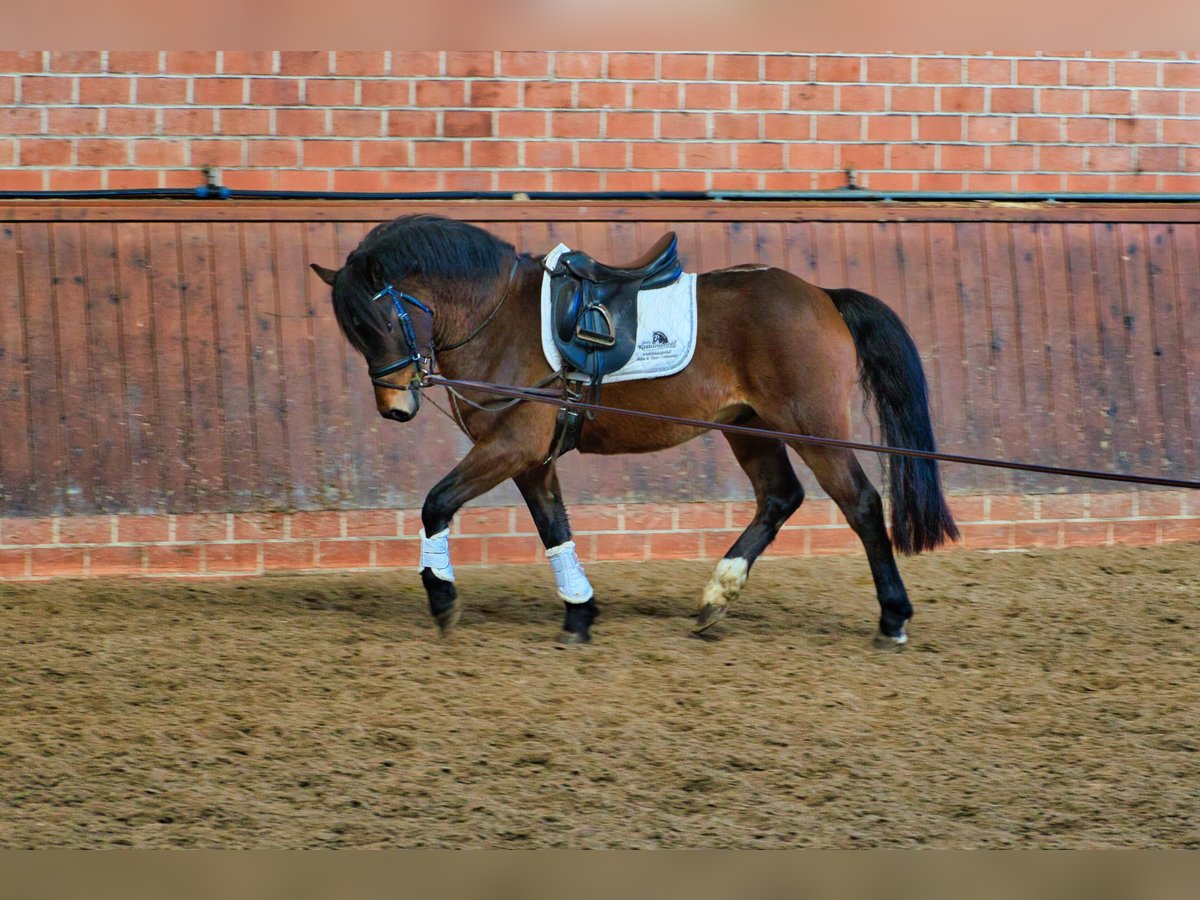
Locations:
658 341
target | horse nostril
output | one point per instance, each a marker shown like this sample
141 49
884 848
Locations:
398 415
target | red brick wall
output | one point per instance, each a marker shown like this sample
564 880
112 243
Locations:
551 120
226 544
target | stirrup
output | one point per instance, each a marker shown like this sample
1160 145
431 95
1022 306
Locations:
599 338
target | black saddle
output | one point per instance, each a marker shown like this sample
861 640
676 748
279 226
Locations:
593 306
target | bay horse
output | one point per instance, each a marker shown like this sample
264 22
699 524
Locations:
773 351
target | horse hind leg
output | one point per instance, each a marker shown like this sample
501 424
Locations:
779 494
839 473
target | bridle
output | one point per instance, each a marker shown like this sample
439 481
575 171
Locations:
425 364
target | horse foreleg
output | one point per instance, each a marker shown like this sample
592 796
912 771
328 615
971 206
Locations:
539 487
496 457
779 494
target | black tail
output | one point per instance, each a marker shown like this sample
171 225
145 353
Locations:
890 372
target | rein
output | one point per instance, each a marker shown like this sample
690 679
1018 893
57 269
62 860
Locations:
540 395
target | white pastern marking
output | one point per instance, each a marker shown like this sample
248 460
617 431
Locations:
435 554
726 582
573 586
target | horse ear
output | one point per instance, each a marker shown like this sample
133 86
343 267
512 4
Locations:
327 275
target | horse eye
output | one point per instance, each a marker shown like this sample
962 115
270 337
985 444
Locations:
389 326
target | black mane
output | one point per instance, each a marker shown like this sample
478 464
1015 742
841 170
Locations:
419 247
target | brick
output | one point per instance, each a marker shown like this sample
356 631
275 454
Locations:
281 153
889 69
578 64
272 91
1182 75
676 546
524 63
1037 182
501 94
768 96
1103 159
1088 73
470 63
961 100
791 127
989 71
340 92
115 561
839 68
264 526
218 153
512 549
56 562
1086 534
203 527
962 157
816 97
186 121
247 62
226 558
840 128
685 67
159 153
14 563
305 62
1037 534
344 554
301 122
1019 100
468 124
1060 102
1032 129
827 541
629 181
631 66
1039 72
679 126
706 156
1179 530
861 98
392 92
1160 503
215 91
547 154
649 517
937 70
912 100
372 523
632 125
498 154
103 152
143 529
45 152
939 128
22 60
701 516
576 181
967 508
709 96
439 93
75 120
105 91
417 63
602 95
360 62
1137 74
319 524
655 156
497 520
1159 103
1137 534
616 547
736 126
133 178
301 180
191 62
288 555
789 68
1060 159
358 180
86 530
8 90
75 179
439 154
729 67
47 89
411 123
380 154
245 121
75 61
893 128
161 91
1015 157
173 560
911 156
760 156
987 537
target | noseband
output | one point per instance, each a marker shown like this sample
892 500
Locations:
414 357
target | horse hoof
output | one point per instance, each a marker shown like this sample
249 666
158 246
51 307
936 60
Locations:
710 614
448 618
567 638
889 643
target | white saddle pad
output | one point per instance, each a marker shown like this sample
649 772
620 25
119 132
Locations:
666 328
